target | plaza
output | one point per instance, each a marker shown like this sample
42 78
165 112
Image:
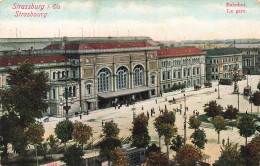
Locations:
195 100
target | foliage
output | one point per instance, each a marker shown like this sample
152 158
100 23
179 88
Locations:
34 133
199 138
231 112
52 142
81 133
175 87
19 142
219 124
73 155
26 92
140 135
107 145
7 123
158 159
177 143
42 150
111 130
213 109
64 130
256 98
188 155
229 156
194 122
118 157
246 126
152 148
251 152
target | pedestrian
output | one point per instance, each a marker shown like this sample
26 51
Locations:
142 107
102 123
165 106
155 101
118 106
180 111
215 89
87 112
193 112
148 115
162 111
223 142
151 113
115 106
165 98
80 116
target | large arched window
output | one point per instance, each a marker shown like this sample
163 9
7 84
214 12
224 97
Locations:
103 80
138 75
122 77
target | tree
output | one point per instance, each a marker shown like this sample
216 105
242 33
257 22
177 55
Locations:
188 155
251 152
213 109
118 157
219 124
152 148
231 112
64 130
111 130
140 135
81 133
7 123
72 155
168 132
199 138
229 156
177 143
246 126
165 118
52 142
26 91
194 122
107 145
158 159
34 134
19 142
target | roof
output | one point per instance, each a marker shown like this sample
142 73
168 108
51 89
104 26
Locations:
222 51
35 60
179 52
246 45
94 46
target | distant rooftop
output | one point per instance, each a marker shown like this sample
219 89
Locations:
35 60
222 51
246 45
179 52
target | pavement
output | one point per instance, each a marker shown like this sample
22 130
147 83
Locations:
195 100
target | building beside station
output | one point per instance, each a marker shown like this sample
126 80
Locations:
250 57
220 63
181 66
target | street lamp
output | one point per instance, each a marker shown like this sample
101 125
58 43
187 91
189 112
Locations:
133 109
185 117
251 100
65 105
238 99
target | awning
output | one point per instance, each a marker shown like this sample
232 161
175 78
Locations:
91 100
124 92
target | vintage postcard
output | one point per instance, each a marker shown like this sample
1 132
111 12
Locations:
129 82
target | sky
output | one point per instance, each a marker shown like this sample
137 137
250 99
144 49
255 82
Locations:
159 19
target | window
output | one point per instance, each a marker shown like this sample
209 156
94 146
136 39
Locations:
74 91
138 75
164 87
179 74
216 69
168 75
210 61
88 89
58 74
152 79
169 86
194 69
63 73
212 77
67 73
103 80
163 75
53 93
70 92
174 74
54 75
212 70
198 70
74 74
152 92
188 72
122 77
45 96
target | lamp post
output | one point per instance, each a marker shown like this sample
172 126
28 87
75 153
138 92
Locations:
65 105
251 100
185 118
133 109
238 99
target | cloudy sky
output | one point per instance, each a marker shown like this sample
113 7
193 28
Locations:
160 19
